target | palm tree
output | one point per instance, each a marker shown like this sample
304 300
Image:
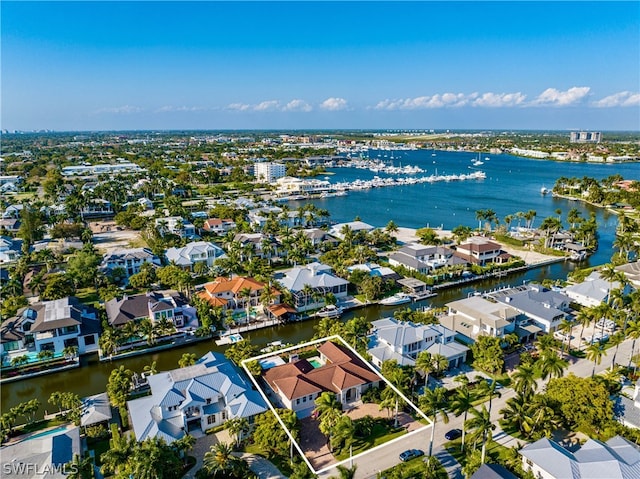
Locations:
70 352
616 340
552 365
307 291
150 368
516 413
80 467
633 332
524 380
219 460
424 363
462 403
595 352
325 402
343 433
565 327
584 318
238 427
434 403
480 426
345 472
187 359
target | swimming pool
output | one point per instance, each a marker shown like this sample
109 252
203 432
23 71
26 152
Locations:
315 362
47 433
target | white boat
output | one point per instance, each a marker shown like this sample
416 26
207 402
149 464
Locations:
398 298
544 190
330 311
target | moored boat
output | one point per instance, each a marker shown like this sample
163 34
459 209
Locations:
330 311
398 298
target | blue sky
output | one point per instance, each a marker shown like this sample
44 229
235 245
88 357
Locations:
237 65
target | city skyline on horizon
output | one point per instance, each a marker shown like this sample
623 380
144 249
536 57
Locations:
320 66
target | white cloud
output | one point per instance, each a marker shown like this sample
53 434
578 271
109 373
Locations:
623 98
238 107
171 108
269 105
121 110
552 96
498 100
334 104
297 105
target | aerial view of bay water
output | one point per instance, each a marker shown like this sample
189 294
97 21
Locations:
319 239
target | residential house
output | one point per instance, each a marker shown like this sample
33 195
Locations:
546 308
594 290
50 326
254 244
475 316
627 410
229 293
615 459
97 207
404 341
309 284
96 410
318 236
155 305
354 226
195 252
424 259
479 250
292 186
129 259
9 250
42 455
219 226
374 269
631 272
13 211
10 225
176 225
493 471
336 369
194 398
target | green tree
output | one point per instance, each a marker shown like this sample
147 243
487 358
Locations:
488 355
269 436
220 462
461 404
80 467
238 427
240 351
59 285
118 388
480 426
187 359
433 403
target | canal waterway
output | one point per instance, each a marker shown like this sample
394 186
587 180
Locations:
512 184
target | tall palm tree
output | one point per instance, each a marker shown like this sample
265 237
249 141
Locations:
616 340
595 352
424 364
80 467
245 294
238 427
433 403
307 291
481 426
525 380
633 332
325 402
462 403
345 472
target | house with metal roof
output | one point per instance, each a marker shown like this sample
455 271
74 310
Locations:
320 279
475 316
195 252
96 409
615 459
336 369
424 259
194 399
41 455
545 308
594 290
9 250
632 272
404 341
129 259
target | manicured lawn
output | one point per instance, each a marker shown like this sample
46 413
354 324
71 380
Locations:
88 296
494 450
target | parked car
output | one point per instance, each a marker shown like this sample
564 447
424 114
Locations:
453 434
410 454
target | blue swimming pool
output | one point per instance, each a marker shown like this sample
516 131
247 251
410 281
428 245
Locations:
48 433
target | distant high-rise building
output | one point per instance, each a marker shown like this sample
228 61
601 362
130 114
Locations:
269 172
586 137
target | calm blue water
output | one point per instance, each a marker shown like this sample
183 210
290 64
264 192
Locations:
512 184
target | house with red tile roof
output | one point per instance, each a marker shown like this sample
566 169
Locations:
228 293
336 369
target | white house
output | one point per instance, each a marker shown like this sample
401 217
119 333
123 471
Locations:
268 172
195 252
194 398
546 308
320 280
480 250
219 226
403 341
593 290
475 316
424 259
354 226
129 259
176 225
615 459
9 250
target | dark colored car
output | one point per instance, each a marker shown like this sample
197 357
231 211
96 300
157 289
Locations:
453 434
410 454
